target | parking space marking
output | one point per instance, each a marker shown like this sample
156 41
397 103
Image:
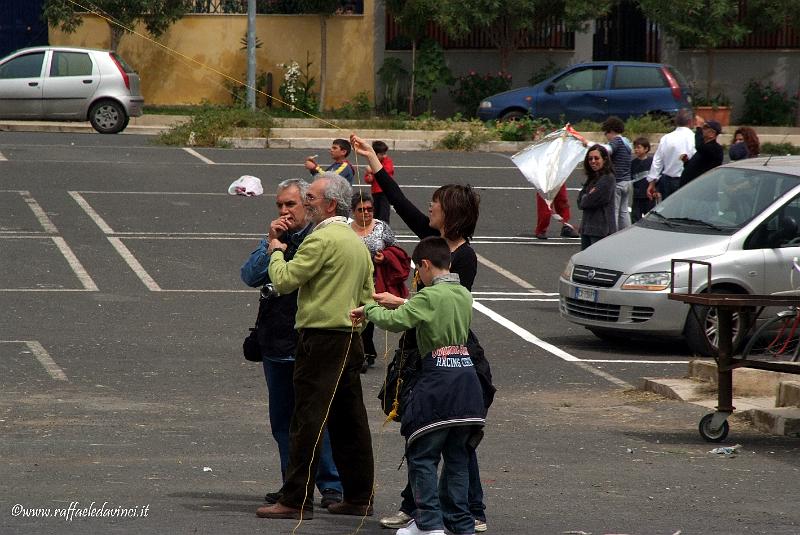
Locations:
200 156
3 158
620 361
39 213
93 215
75 264
42 356
134 264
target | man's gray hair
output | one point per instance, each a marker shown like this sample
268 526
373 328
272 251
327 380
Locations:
339 190
298 183
683 117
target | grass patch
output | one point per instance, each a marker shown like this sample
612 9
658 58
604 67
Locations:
209 125
465 138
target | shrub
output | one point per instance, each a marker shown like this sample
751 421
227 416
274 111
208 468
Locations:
209 125
778 149
471 88
466 139
358 107
296 89
525 129
767 105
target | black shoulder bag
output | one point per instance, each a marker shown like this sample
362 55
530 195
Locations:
250 346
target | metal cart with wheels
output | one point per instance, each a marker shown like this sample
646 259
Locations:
714 426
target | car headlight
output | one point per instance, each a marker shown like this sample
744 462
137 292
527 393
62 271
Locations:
649 282
567 273
486 104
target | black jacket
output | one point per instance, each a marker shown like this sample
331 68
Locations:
708 156
596 199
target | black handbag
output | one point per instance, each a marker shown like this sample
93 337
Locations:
401 374
250 347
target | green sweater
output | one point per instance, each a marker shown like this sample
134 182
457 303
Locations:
441 313
333 270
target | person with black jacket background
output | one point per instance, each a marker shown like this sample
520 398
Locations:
277 337
453 215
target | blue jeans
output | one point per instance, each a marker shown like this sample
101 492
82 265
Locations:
444 500
280 388
622 192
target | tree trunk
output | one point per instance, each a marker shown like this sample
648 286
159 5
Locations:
323 65
413 77
116 36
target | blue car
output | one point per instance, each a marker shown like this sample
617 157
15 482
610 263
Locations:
594 91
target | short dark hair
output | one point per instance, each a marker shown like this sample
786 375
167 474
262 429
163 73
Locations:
435 250
359 197
613 124
461 208
642 142
607 168
380 147
342 144
683 117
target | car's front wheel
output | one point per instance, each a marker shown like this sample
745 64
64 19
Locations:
108 117
702 328
513 115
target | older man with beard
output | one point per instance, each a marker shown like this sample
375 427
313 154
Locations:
333 271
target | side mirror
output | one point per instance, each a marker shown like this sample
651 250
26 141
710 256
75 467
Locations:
551 88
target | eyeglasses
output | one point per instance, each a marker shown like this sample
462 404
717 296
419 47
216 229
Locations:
365 209
595 158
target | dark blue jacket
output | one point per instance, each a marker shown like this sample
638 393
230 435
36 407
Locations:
447 393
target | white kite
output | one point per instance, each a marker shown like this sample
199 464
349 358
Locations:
548 162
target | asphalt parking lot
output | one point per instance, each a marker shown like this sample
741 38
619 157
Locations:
122 381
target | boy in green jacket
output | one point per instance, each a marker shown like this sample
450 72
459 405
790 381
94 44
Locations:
444 411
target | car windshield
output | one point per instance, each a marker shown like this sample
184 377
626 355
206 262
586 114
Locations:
721 201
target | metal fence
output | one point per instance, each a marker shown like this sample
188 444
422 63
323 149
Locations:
221 7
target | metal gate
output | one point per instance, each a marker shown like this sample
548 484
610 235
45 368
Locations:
624 34
21 25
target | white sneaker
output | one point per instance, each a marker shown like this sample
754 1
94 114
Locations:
397 520
480 526
412 529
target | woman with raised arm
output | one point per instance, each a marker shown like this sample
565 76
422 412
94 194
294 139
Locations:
452 214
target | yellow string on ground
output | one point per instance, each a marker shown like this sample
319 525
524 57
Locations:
94 10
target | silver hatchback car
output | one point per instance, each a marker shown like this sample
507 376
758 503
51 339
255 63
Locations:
70 84
742 218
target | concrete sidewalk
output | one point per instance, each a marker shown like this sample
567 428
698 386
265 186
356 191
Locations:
307 134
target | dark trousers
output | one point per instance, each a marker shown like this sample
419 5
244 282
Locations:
667 185
280 386
641 205
381 205
320 356
587 240
366 339
442 501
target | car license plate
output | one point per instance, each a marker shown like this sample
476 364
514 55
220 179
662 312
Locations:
586 294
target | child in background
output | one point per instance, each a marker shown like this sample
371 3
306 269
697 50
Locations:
340 150
640 165
443 414
379 201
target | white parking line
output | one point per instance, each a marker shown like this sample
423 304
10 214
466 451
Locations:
134 264
3 158
42 356
507 274
200 156
93 215
75 264
39 213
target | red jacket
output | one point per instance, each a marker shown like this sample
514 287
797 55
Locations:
369 178
392 273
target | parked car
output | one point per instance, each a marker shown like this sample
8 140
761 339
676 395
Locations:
743 218
70 84
594 91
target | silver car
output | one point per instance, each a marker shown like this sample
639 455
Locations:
70 84
742 218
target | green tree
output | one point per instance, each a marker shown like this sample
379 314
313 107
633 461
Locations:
705 24
431 72
157 15
323 9
411 17
507 20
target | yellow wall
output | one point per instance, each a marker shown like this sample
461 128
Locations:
214 41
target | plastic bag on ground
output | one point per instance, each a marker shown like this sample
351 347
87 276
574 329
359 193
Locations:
246 185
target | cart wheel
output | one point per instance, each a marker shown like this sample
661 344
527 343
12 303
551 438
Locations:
710 434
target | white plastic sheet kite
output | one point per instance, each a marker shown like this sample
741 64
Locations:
548 162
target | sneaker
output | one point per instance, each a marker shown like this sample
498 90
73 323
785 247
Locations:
272 497
480 526
412 529
541 236
330 496
397 520
568 231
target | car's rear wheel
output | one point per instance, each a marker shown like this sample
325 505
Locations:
702 332
108 117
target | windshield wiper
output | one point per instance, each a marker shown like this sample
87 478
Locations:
665 220
692 221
